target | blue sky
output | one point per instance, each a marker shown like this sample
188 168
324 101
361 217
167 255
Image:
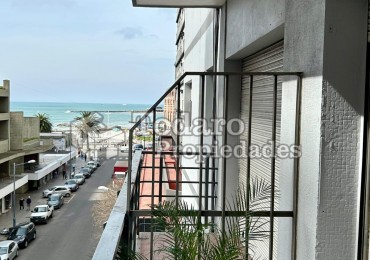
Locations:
101 51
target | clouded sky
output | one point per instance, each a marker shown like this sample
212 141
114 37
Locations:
98 51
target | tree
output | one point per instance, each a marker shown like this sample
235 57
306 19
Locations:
45 125
87 123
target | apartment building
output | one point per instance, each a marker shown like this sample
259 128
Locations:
293 77
20 143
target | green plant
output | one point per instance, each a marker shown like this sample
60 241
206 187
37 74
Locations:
186 237
45 124
86 124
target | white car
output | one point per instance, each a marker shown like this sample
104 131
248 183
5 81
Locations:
8 250
80 178
92 164
124 149
42 213
57 189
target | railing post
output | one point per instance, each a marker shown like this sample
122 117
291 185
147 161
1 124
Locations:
224 168
153 179
248 181
129 172
160 178
178 145
201 162
272 202
297 142
206 186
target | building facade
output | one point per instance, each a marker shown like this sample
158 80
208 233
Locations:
20 143
327 42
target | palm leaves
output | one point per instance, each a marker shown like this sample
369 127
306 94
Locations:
86 124
45 125
187 238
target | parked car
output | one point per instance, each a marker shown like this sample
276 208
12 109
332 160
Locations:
57 189
97 162
86 172
56 200
92 164
42 214
72 184
124 149
8 250
22 234
80 178
90 167
138 147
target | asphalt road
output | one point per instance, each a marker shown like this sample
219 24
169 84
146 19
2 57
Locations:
71 233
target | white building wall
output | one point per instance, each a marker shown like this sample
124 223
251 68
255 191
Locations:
198 57
326 40
198 39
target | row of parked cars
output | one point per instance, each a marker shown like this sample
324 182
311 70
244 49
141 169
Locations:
23 233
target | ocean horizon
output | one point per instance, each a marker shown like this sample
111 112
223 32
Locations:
61 113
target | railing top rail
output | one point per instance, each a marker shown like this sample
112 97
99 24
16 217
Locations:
110 238
247 73
197 73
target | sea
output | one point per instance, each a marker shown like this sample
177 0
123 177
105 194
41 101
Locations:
61 114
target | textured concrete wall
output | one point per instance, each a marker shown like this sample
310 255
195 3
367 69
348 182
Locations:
252 25
31 127
16 130
326 41
341 128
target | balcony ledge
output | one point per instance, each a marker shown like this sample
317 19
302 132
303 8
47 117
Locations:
179 3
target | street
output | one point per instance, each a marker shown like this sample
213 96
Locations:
71 233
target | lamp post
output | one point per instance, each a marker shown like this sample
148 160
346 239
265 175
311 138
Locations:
14 166
70 149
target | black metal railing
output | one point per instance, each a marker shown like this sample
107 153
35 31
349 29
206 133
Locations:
208 188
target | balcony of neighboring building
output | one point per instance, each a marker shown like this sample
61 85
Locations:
6 183
4 105
13 154
48 162
180 25
25 135
4 116
179 69
179 4
4 89
4 145
180 51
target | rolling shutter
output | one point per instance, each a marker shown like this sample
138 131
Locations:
267 60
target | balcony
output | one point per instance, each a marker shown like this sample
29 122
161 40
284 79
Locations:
180 51
6 184
4 116
4 92
4 145
179 70
179 4
170 174
180 25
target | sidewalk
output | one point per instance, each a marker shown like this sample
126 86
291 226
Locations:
6 219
